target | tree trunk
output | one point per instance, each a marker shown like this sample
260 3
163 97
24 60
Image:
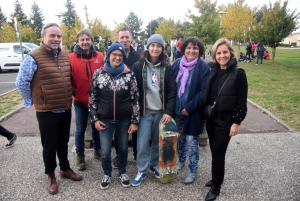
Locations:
273 54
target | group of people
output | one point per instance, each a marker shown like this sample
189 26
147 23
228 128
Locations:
251 47
128 93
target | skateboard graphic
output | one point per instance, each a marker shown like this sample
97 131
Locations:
167 151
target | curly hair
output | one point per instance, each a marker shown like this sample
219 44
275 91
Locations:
195 41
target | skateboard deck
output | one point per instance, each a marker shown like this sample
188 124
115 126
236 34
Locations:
167 151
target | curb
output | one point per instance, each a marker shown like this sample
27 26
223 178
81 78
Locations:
11 113
8 92
271 115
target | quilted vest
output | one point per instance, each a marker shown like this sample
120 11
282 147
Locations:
51 84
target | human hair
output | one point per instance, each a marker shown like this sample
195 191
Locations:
46 26
162 58
195 41
86 32
125 29
221 41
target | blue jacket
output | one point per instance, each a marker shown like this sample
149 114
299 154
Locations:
194 122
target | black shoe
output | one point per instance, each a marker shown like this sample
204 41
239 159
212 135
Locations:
213 193
115 162
209 184
11 142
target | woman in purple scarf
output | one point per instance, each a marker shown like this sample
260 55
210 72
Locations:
191 73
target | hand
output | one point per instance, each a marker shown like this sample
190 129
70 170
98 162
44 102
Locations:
166 119
99 125
234 129
184 112
132 128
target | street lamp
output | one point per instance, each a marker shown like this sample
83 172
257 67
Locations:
59 16
221 15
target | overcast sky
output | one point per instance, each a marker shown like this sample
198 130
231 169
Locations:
109 11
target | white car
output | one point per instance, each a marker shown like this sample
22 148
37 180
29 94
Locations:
11 56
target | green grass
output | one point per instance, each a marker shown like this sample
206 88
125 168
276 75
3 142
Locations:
10 102
276 87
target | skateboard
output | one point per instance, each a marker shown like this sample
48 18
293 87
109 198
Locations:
167 151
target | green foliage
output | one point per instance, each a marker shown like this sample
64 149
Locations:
277 23
36 18
134 24
69 15
7 33
2 17
167 29
206 24
19 14
151 27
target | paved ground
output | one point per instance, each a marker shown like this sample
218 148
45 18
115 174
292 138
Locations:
263 163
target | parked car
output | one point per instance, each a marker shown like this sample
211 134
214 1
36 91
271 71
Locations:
11 55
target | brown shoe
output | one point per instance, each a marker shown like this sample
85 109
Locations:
80 161
70 174
51 184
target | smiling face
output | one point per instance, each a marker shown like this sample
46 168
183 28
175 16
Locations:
52 38
191 52
115 58
223 56
155 49
85 42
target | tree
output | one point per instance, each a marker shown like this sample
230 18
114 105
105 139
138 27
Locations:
206 24
152 26
7 33
19 14
2 17
69 15
134 24
277 23
167 29
36 18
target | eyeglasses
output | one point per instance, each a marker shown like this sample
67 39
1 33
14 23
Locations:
117 55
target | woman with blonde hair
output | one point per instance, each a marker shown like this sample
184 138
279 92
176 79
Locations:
226 89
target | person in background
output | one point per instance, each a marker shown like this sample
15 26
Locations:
157 89
72 48
174 51
178 44
260 49
140 47
248 52
114 108
11 137
253 46
168 49
230 108
132 56
84 61
267 55
96 43
44 79
191 73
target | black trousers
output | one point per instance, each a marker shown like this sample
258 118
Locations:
55 134
218 130
3 131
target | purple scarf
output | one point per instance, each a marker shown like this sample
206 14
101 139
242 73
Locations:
184 69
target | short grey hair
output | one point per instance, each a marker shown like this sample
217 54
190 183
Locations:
46 26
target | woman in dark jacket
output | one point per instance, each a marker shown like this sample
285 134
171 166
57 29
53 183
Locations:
191 73
157 101
230 108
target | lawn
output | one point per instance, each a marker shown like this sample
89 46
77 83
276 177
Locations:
10 102
276 87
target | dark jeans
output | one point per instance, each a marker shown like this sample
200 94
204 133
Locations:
3 131
218 130
261 57
106 136
134 141
55 134
81 114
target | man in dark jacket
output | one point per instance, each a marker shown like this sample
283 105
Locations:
132 56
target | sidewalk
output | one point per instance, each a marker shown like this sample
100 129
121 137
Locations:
262 164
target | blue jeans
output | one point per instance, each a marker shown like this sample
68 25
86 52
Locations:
106 136
148 129
189 144
81 115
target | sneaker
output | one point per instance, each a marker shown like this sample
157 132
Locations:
115 162
105 182
11 142
124 180
179 165
190 178
154 170
138 179
97 154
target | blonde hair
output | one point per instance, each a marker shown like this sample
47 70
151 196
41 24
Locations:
222 41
